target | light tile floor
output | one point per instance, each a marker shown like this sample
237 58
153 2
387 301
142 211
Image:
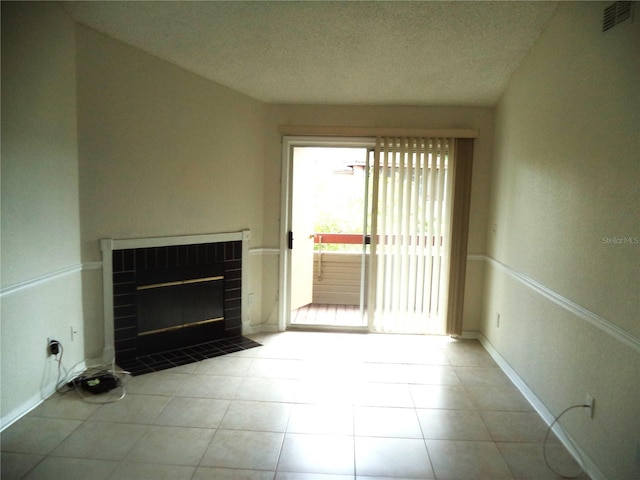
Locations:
304 406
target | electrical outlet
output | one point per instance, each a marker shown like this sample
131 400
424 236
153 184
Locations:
53 346
590 401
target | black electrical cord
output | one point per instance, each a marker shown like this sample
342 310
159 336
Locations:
60 384
546 437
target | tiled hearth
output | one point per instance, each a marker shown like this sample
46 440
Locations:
183 356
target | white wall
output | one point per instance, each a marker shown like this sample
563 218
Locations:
41 289
162 152
565 181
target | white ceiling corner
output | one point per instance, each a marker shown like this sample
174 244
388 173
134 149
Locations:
338 52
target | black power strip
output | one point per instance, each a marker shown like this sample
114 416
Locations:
99 383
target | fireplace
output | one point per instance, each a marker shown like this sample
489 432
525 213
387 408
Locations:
173 300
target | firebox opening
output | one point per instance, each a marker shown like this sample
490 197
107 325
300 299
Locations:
177 304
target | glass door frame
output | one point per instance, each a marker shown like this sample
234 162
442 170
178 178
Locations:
288 144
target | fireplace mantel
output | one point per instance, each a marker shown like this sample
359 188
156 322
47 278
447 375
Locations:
108 245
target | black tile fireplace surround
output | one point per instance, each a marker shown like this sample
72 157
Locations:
157 290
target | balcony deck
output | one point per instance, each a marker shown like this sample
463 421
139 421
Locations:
328 315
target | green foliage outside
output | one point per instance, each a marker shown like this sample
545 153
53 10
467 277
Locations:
339 198
338 192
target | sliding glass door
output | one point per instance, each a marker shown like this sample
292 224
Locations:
410 256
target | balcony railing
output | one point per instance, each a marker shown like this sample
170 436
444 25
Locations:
357 239
337 274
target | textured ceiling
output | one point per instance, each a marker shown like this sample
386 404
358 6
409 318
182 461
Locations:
349 52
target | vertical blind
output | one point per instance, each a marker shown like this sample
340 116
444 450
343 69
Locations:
410 185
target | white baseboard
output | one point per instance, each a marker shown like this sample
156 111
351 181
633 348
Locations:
25 407
260 329
548 417
32 402
470 335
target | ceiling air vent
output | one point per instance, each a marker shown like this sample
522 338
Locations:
616 13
